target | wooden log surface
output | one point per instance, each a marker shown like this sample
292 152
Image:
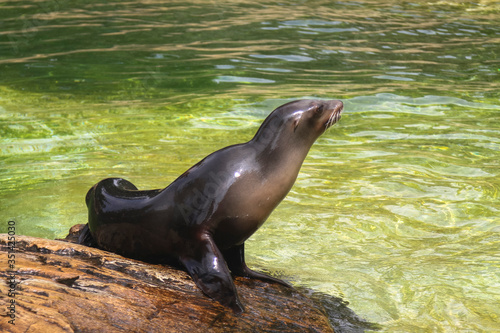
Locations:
66 287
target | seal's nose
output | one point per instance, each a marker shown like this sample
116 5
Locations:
337 106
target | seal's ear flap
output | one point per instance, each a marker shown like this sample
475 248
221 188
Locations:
296 122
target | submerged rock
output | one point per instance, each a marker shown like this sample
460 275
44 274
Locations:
66 287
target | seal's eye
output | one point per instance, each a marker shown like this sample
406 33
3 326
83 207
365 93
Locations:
319 109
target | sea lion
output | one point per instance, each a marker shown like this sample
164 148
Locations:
203 218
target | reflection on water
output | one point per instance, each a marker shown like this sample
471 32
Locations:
396 207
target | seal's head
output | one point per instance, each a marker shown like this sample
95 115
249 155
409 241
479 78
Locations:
314 115
299 123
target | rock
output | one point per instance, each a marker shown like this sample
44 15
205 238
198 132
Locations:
66 287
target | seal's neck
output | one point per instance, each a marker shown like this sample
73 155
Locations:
279 163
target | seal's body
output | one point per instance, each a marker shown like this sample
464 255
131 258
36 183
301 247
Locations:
204 217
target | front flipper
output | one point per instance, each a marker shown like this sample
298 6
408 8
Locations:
235 259
209 271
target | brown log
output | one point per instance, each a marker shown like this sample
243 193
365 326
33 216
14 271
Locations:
66 287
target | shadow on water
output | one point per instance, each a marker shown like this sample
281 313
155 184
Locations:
342 319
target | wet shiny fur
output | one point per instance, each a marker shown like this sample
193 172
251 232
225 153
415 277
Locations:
203 218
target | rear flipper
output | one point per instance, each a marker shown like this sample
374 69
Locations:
209 271
94 199
109 185
235 259
86 238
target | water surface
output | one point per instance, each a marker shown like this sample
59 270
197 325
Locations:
396 207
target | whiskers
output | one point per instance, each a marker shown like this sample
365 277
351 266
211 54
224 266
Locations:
334 117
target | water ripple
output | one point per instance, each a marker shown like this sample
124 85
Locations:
396 207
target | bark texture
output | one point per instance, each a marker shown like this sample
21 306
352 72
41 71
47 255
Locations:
66 287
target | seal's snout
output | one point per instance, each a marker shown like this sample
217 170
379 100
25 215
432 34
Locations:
339 106
336 108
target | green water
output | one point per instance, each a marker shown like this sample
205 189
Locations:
396 208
